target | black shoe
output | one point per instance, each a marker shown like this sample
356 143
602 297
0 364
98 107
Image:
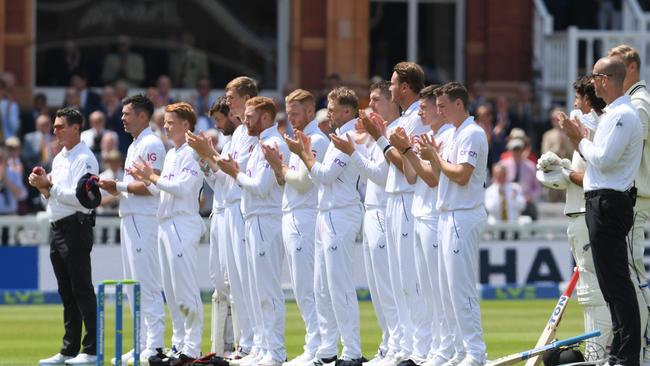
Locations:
323 361
353 362
408 362
158 358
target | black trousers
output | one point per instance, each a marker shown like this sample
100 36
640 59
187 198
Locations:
72 241
609 218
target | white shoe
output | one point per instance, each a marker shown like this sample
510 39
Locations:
437 360
82 359
57 359
418 360
303 358
268 360
458 358
470 361
125 358
375 360
251 359
144 356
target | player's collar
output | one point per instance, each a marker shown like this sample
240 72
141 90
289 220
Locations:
347 127
311 128
266 134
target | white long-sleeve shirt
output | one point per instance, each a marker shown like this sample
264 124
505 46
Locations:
225 188
514 200
614 156
262 193
412 124
68 167
292 198
425 197
150 148
374 167
466 144
336 178
180 183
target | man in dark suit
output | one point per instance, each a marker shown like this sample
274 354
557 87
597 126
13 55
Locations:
90 101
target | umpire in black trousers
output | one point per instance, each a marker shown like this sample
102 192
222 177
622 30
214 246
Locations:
613 159
69 200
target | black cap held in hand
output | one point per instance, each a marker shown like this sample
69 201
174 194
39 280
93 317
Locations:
88 192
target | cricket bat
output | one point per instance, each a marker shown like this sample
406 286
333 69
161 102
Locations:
521 356
554 321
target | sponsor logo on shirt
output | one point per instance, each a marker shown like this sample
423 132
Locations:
190 171
152 157
470 153
340 163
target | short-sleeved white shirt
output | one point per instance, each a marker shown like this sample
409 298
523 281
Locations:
150 148
467 144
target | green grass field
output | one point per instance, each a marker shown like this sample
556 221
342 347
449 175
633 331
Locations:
29 333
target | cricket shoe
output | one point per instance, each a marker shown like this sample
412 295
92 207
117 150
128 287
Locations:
268 360
243 360
391 360
375 360
82 359
235 356
57 359
302 359
319 361
146 355
125 358
457 359
470 361
345 361
437 360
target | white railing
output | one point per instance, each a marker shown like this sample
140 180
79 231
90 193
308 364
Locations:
35 230
634 18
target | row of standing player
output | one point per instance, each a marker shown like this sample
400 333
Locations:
273 195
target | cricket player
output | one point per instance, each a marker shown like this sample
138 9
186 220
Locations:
553 174
231 233
180 228
374 168
262 205
337 224
299 209
426 225
638 91
139 224
461 165
406 82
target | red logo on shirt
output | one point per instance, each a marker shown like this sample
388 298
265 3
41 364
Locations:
152 157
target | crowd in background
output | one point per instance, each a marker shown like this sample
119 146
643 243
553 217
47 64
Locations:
518 132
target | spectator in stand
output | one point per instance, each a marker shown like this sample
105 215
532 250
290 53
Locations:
9 113
484 116
72 98
94 136
124 65
121 90
522 171
112 107
518 133
108 143
112 169
15 164
203 99
88 99
477 97
157 123
505 118
188 64
324 122
504 200
28 116
164 97
12 188
37 148
555 140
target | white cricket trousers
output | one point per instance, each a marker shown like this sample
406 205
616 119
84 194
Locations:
427 257
179 251
636 254
336 296
140 261
264 234
412 310
375 257
459 233
298 230
596 312
237 267
218 272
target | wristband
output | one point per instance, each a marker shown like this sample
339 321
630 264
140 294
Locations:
383 143
406 150
122 187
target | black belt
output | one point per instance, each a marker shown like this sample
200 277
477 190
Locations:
606 192
78 217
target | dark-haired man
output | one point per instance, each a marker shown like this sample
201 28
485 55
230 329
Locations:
72 239
139 225
461 166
